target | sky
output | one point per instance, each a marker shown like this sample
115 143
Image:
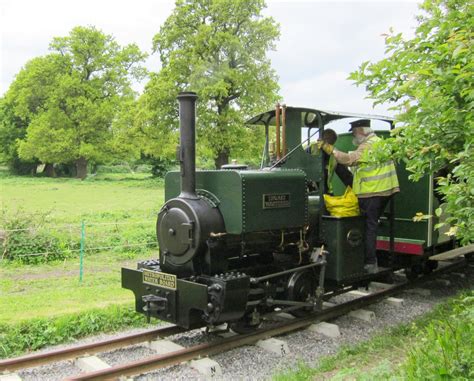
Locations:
321 42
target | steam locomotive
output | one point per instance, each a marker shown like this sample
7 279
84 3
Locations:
237 243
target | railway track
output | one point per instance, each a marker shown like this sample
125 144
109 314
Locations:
164 360
38 359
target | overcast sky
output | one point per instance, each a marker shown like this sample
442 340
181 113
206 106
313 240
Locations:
321 41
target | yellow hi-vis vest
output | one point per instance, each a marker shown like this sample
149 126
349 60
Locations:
378 178
331 167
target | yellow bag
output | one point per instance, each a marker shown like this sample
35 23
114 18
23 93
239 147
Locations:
342 206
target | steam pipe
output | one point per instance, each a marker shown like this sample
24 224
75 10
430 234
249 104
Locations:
187 148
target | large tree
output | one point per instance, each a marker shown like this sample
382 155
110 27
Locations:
26 98
216 48
75 121
429 80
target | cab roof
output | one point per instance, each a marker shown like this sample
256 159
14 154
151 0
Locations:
311 116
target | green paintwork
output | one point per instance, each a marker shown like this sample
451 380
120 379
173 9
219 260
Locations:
346 255
241 197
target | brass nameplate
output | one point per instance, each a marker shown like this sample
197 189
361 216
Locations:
276 200
159 279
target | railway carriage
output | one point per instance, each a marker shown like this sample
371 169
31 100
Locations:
237 243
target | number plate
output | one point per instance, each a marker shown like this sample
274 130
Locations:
159 279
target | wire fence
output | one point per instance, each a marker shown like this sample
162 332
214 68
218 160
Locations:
42 242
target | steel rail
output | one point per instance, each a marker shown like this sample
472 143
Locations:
173 358
37 359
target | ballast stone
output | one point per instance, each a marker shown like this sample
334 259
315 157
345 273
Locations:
10 377
207 367
279 347
396 302
365 315
326 329
91 364
162 347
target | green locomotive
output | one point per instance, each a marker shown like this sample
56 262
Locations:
237 243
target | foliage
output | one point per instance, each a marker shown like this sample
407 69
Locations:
15 115
429 82
446 348
217 49
69 99
38 333
25 239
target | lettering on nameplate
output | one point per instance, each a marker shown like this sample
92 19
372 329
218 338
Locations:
159 279
276 200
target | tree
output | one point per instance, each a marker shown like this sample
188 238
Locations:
216 48
75 120
429 82
26 98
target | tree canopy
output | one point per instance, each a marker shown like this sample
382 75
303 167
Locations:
428 80
68 99
216 48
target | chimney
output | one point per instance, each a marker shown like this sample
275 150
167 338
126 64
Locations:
187 150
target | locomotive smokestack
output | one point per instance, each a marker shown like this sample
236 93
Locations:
187 150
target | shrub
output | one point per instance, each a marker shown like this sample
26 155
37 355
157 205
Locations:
24 238
447 346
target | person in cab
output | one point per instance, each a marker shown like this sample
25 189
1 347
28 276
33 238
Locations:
373 184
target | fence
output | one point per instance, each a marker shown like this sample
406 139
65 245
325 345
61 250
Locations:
44 242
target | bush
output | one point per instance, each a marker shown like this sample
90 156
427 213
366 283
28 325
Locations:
24 238
447 347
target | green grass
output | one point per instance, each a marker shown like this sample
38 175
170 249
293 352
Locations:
69 200
36 333
437 346
119 209
44 303
51 290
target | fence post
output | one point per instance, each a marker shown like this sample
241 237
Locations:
81 257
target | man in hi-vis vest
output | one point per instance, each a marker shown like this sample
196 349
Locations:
373 184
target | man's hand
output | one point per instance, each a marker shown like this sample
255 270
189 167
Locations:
326 147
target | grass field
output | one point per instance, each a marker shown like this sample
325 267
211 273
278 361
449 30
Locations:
69 200
53 289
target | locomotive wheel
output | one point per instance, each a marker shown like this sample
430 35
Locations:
429 266
301 285
413 272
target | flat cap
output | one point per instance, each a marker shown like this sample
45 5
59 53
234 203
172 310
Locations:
360 123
